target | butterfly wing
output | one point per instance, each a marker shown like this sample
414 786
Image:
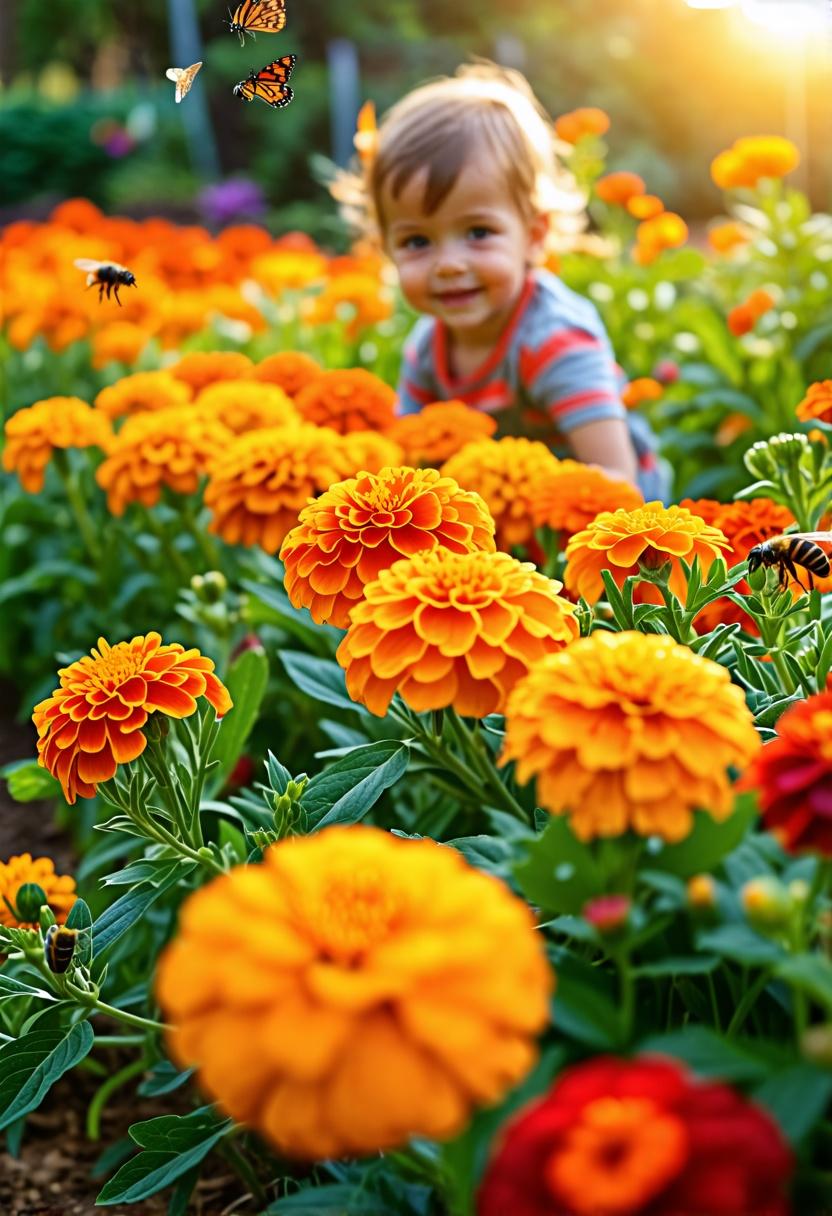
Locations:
183 78
266 16
270 84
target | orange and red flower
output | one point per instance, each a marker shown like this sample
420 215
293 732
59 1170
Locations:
576 494
440 430
620 187
200 368
743 318
578 124
350 400
290 370
817 404
17 872
33 434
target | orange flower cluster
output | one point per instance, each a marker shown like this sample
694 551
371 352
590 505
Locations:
290 370
361 526
577 493
508 474
93 721
455 629
350 400
369 452
17 872
743 318
665 231
645 206
644 388
730 235
359 300
578 124
753 158
621 541
629 731
200 368
817 404
118 342
440 430
619 188
140 393
33 434
245 405
352 962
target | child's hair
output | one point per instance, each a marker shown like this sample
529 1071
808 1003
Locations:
482 109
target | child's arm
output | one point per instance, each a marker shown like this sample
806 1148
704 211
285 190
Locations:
607 443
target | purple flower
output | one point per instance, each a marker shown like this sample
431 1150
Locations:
236 198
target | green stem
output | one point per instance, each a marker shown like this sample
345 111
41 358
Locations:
118 1040
170 551
209 550
627 995
104 1091
746 1002
241 1167
78 506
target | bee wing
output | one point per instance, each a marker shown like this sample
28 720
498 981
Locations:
816 536
88 264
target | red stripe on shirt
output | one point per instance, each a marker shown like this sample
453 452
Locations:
440 346
420 394
577 401
564 342
494 396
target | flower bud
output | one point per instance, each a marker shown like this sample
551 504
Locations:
798 890
197 584
30 899
702 892
215 585
666 371
758 578
816 1045
608 913
766 902
760 462
655 567
290 818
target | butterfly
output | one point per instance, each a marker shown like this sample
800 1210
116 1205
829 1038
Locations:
183 78
263 16
269 84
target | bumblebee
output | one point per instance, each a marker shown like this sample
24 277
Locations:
108 276
59 947
790 550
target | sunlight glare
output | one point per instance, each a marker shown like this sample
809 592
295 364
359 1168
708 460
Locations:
790 19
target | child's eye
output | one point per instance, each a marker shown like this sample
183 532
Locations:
414 242
479 232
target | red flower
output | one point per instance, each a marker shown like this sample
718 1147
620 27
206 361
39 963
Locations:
638 1138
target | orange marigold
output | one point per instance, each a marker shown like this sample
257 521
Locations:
817 404
440 430
620 541
743 318
264 479
350 400
200 368
618 188
359 527
729 235
458 629
32 434
644 388
752 158
173 447
645 206
353 962
141 393
665 231
287 269
572 498
290 370
15 873
577 124
243 405
508 473
368 452
359 300
118 342
629 731
93 721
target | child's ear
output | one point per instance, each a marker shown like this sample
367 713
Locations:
538 232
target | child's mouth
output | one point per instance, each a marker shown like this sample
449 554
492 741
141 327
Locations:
456 298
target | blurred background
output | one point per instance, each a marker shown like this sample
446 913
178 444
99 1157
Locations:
85 108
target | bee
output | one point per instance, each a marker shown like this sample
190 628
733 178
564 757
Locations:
790 550
59 947
108 276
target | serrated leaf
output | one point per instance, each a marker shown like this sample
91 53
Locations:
31 1065
348 789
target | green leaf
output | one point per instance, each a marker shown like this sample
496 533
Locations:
708 1054
176 1132
741 944
122 915
584 1010
153 1170
707 844
246 681
811 973
347 790
80 917
337 1198
164 1078
10 987
560 872
321 679
695 964
797 1097
277 609
31 1065
28 782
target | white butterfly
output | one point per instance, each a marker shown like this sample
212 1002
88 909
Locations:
183 78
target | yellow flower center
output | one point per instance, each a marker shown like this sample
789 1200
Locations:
111 668
357 912
618 1157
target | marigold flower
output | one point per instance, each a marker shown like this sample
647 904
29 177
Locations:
142 393
368 452
644 388
286 269
365 140
665 231
701 892
645 206
508 474
571 499
752 158
32 435
173 447
440 430
743 318
360 300
733 425
817 404
118 342
243 405
651 535
629 731
93 721
361 526
352 962
350 400
640 1137
619 188
577 124
793 777
264 479
200 368
725 237
15 873
458 629
290 370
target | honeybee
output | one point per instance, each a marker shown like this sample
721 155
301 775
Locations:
109 276
790 550
59 947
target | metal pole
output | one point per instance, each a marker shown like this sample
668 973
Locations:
344 95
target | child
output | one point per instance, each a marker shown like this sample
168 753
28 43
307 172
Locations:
465 190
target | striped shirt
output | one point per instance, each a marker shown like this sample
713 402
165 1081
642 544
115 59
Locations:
552 370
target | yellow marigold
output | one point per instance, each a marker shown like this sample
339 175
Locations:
644 388
440 430
752 158
817 403
290 370
172 447
288 269
264 479
729 235
360 300
619 188
361 526
354 963
243 405
629 731
459 629
17 872
665 231
572 498
368 452
350 400
118 342
141 393
577 124
620 541
200 368
508 474
93 721
32 434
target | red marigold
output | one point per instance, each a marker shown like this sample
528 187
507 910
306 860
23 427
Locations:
576 494
290 370
350 400
93 721
441 429
638 1137
360 526
817 404
793 777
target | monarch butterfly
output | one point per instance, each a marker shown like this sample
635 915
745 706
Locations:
269 84
108 275
183 78
265 16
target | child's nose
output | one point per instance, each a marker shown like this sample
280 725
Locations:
450 257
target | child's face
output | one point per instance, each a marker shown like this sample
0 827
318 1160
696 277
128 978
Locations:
467 262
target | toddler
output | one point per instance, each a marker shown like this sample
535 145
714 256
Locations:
466 195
